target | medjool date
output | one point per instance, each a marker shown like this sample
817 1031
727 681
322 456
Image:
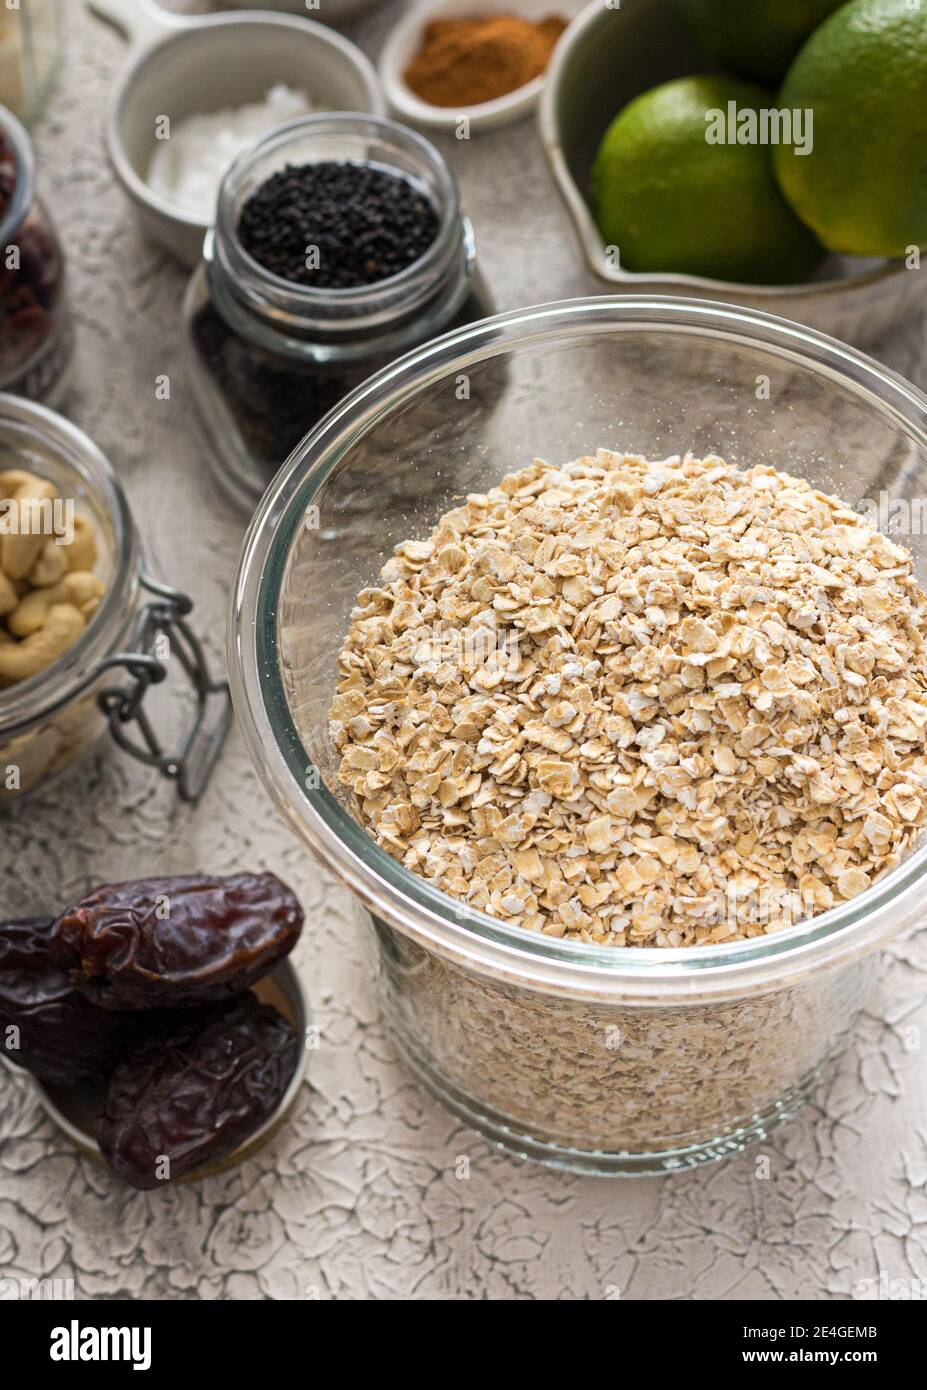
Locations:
46 1024
164 942
179 1102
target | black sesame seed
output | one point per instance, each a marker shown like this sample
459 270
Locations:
336 225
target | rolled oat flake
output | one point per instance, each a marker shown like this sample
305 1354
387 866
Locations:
701 713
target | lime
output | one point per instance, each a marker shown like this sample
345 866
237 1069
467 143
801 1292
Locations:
670 200
863 74
757 38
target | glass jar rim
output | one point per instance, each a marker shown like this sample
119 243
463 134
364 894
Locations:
387 888
28 701
20 144
255 278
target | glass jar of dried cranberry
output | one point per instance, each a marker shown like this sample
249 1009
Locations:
339 245
35 328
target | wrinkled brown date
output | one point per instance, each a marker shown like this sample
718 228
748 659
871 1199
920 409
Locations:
179 1102
46 1024
164 942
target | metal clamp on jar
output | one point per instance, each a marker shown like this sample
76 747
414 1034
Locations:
269 356
69 621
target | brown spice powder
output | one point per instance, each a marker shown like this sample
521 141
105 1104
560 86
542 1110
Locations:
463 62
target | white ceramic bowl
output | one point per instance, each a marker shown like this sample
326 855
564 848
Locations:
179 66
405 41
608 56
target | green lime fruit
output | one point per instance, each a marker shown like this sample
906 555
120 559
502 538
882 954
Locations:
863 75
756 38
670 200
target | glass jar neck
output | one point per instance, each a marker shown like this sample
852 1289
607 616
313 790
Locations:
291 317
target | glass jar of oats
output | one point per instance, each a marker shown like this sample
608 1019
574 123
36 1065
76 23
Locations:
598 1057
85 633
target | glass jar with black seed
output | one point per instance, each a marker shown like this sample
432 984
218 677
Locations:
339 245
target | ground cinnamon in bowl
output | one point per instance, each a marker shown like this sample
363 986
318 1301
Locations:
463 62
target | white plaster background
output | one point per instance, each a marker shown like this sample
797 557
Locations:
357 1197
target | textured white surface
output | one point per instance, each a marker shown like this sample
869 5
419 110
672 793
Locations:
357 1197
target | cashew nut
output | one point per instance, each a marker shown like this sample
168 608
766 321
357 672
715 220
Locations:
12 479
9 599
80 590
62 629
51 565
48 591
20 547
81 554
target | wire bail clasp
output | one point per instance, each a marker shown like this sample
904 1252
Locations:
192 764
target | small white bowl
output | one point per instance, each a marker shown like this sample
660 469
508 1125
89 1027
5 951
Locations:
406 40
179 66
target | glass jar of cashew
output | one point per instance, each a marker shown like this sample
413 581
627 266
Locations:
83 631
